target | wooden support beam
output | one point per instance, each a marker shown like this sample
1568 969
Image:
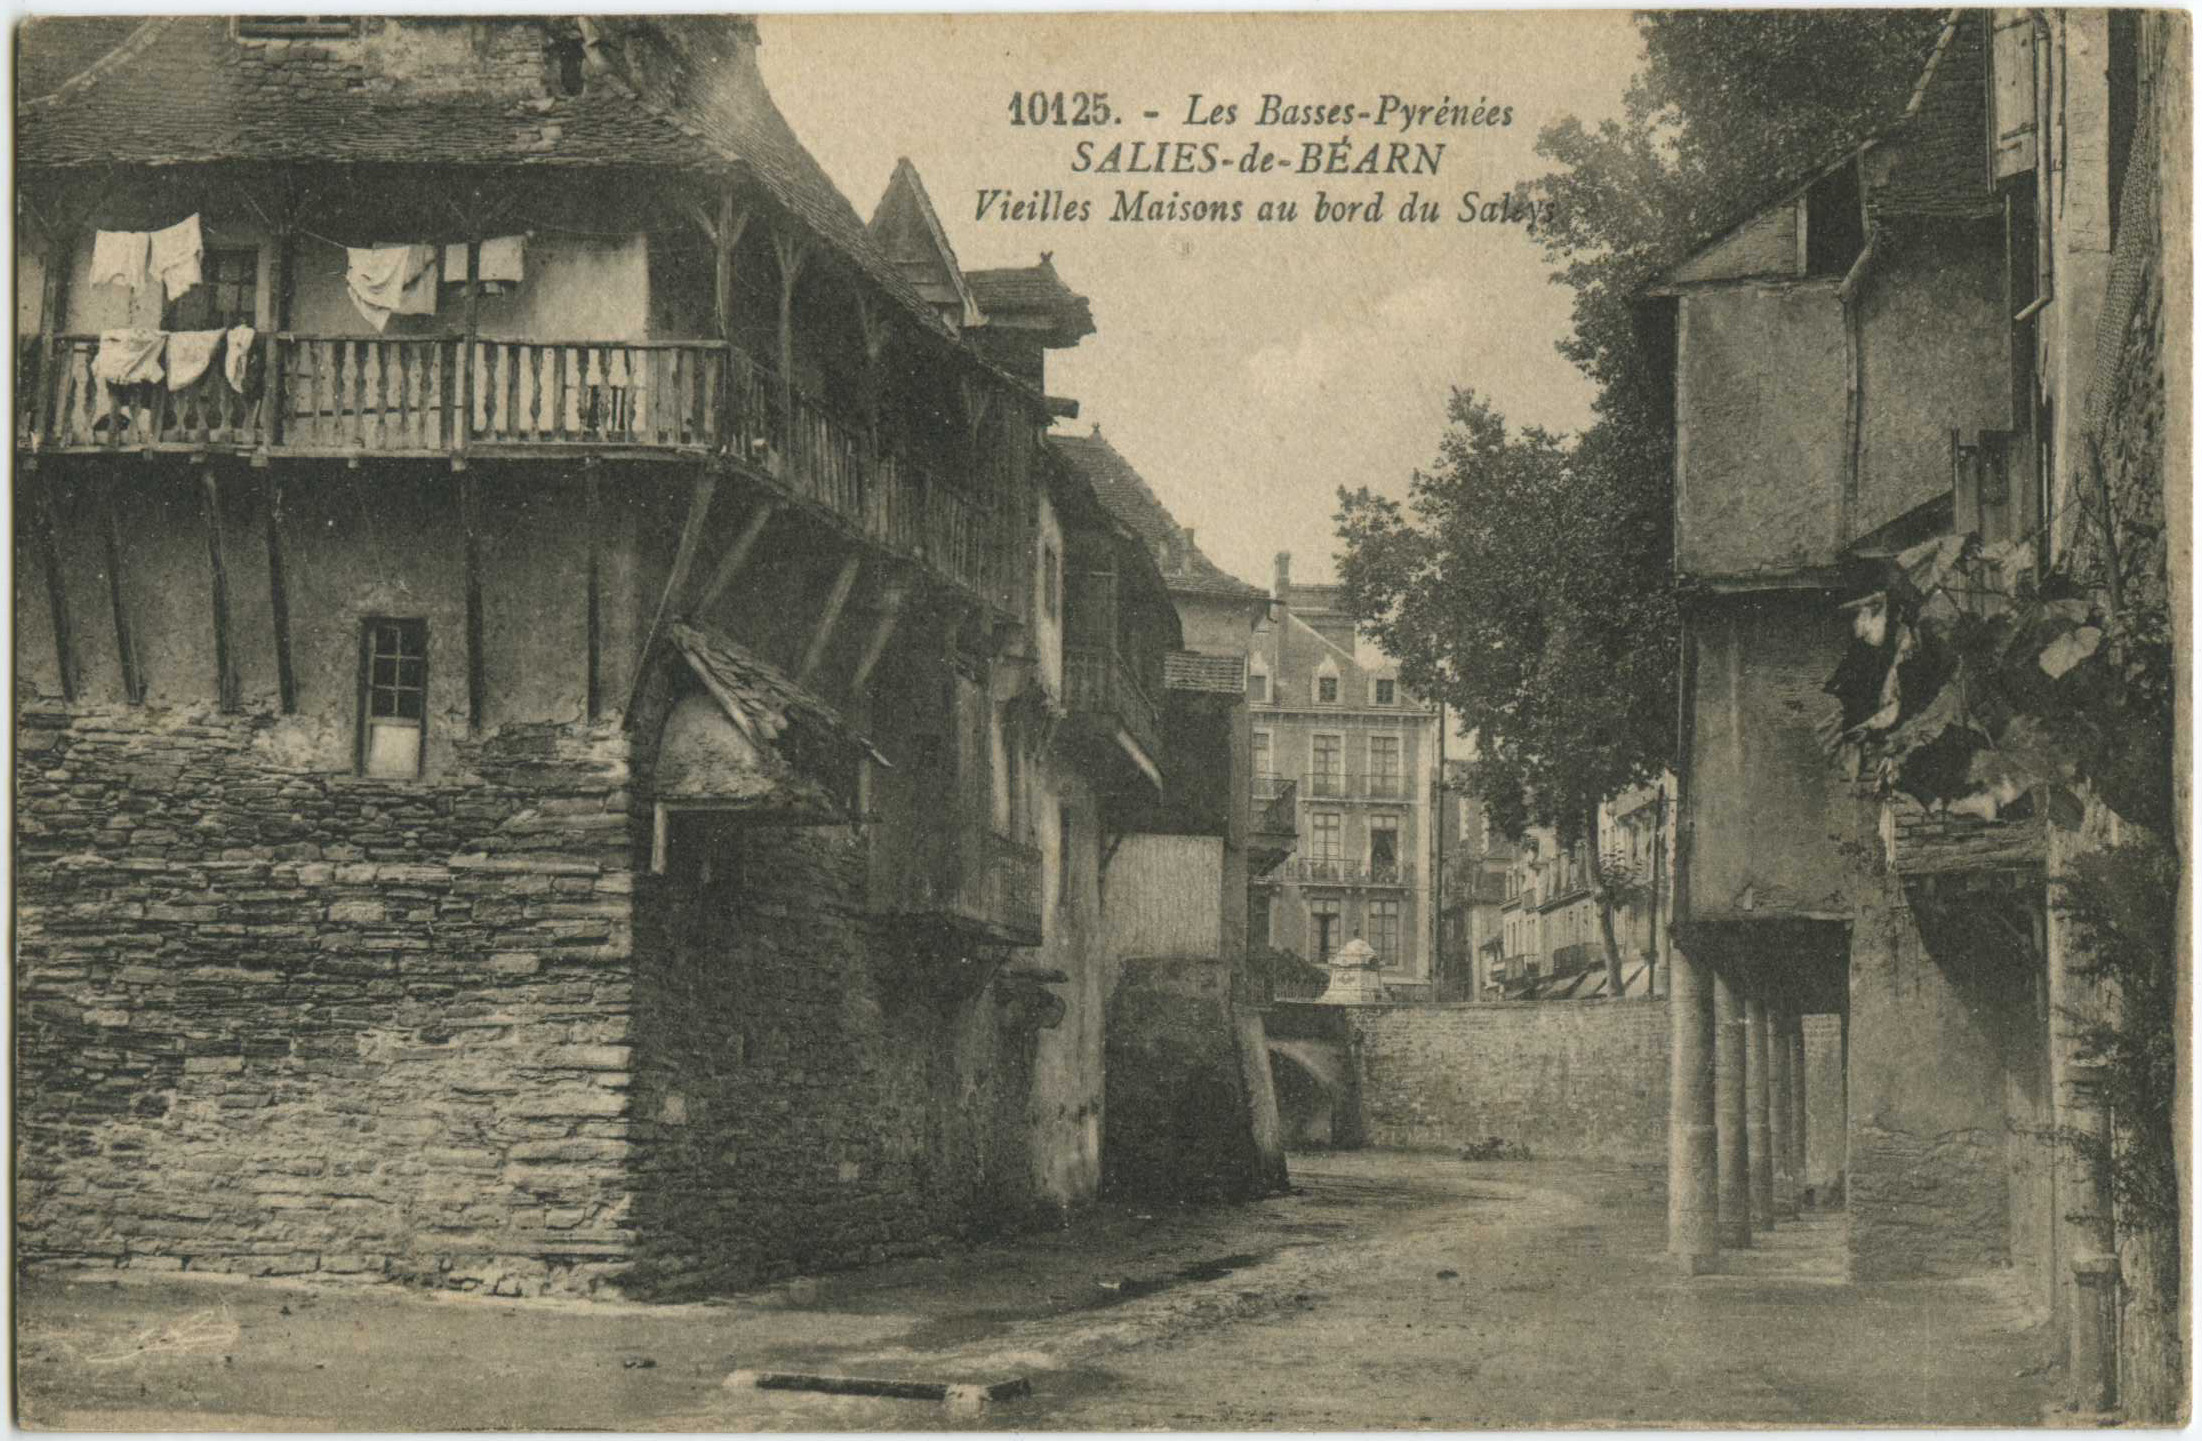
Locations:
736 554
126 650
792 250
225 644
684 559
477 682
279 600
57 592
595 523
891 600
830 617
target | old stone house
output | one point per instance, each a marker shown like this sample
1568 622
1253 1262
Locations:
545 755
1896 365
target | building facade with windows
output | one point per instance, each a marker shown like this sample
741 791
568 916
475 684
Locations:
551 757
1356 756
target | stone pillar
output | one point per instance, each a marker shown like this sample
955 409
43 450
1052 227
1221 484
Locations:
1758 1081
1693 1235
1730 1113
1782 1119
1798 1134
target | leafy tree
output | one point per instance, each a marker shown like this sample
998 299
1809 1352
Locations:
1524 584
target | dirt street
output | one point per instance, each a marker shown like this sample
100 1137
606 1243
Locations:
1390 1290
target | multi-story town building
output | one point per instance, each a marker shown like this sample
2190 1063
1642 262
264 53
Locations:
1473 871
550 755
1951 339
1358 755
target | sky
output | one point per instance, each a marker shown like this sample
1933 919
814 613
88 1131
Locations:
1246 370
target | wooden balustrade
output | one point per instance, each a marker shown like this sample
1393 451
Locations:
410 395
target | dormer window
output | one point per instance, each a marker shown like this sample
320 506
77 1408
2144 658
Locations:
1326 689
1384 691
1257 683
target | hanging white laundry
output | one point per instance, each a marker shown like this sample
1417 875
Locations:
176 252
190 352
237 357
129 357
125 357
387 280
118 258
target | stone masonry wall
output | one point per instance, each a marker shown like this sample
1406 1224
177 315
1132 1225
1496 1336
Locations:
812 1089
1564 1078
280 1021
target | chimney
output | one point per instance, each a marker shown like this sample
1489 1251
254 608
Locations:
1281 592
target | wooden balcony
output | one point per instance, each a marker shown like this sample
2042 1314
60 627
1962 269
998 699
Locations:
978 884
422 397
1103 691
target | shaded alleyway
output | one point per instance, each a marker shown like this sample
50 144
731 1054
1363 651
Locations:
1390 1290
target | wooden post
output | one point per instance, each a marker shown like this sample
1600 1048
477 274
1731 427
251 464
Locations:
792 252
684 559
465 427
225 646
595 521
126 650
828 618
735 555
726 234
57 593
890 613
470 526
279 603
285 266
53 296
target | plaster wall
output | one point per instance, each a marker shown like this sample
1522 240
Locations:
1770 828
1934 346
1759 449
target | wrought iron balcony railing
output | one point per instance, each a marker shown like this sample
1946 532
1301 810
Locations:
1314 871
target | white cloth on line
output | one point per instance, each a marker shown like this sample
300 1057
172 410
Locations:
190 352
503 260
125 357
129 357
118 258
237 356
387 280
176 254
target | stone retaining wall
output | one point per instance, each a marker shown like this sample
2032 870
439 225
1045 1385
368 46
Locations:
1564 1078
280 1021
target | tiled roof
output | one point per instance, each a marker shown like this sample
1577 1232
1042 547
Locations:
1127 496
1838 149
1938 151
774 713
52 50
1035 289
184 89
1190 670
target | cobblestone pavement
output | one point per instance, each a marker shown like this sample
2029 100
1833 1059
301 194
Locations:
1390 1290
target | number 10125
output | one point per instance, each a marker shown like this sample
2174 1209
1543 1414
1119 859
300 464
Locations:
1059 107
